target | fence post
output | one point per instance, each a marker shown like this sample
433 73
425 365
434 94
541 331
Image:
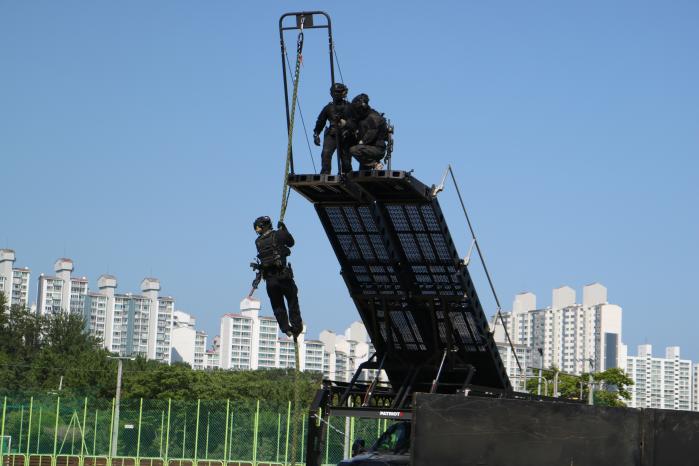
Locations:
21 429
38 430
94 436
351 442
196 431
55 430
138 440
162 428
230 436
254 435
286 448
225 440
83 445
167 432
279 434
29 425
184 433
111 434
2 428
327 438
206 453
303 434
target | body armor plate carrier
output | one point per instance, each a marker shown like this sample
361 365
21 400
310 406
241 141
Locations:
271 254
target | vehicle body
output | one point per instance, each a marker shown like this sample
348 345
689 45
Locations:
391 448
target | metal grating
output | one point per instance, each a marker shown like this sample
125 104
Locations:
405 276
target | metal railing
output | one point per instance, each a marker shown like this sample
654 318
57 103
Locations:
56 431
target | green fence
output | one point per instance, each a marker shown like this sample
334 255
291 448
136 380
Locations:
77 432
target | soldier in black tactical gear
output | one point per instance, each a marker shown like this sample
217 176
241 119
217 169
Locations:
335 114
272 251
370 131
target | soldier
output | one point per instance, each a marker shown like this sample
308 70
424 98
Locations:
371 132
334 113
272 251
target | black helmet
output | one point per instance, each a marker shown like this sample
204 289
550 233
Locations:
360 105
338 91
264 223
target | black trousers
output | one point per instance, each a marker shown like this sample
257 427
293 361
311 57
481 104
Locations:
280 288
329 147
367 155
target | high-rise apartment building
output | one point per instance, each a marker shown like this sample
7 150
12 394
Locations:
251 341
14 282
568 335
188 343
248 340
344 353
695 387
131 324
663 383
516 364
61 292
212 357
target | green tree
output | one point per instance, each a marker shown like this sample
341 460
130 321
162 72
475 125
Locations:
614 387
611 386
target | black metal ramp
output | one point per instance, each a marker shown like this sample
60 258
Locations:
409 284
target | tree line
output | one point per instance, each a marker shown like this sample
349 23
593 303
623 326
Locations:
55 354
47 354
609 387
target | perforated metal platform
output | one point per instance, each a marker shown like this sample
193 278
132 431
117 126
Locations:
411 289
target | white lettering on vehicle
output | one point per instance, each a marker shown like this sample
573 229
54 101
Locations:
390 413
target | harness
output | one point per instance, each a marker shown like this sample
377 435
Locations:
272 256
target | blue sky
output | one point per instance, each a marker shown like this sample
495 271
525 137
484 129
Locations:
142 138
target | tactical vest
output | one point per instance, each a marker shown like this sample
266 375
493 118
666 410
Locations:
271 254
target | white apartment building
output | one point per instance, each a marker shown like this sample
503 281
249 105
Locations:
96 309
518 378
663 383
343 354
130 324
212 357
14 282
570 335
251 341
61 292
188 344
248 340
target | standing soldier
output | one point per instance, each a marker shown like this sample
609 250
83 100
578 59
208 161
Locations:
371 133
333 113
272 251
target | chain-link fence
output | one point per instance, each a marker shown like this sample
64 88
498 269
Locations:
79 432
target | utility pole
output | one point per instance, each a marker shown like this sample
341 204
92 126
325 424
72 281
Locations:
555 383
115 426
541 370
590 397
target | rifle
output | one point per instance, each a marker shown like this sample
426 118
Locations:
258 277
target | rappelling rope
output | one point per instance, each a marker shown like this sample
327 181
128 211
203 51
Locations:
295 428
282 213
294 95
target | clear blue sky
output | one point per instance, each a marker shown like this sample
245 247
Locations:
142 138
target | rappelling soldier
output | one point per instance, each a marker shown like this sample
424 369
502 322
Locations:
272 251
335 114
370 130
